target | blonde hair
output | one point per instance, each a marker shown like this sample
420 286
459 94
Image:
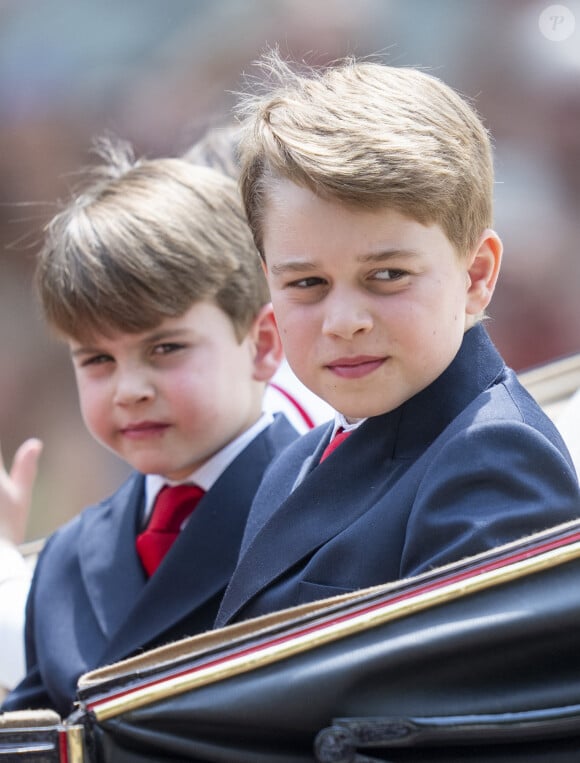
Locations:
144 241
370 135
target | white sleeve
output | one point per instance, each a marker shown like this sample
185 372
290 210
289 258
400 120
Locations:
568 422
14 584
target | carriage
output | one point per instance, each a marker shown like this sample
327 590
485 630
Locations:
476 661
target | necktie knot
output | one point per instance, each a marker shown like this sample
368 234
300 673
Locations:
172 507
338 438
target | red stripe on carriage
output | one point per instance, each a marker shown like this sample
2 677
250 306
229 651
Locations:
63 746
451 578
307 419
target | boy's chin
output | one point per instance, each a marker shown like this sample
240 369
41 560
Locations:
352 414
364 404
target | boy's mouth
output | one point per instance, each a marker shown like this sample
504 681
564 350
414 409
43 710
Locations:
355 367
142 429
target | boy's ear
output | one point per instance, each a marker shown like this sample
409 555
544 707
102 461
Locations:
483 272
268 347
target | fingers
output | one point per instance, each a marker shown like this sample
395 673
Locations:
25 465
16 490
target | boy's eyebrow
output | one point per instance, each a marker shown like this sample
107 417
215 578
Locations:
84 350
156 336
387 254
159 336
304 265
291 266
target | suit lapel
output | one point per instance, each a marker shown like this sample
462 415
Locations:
297 460
328 499
311 461
202 558
192 572
110 569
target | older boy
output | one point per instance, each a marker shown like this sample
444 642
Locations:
369 192
152 278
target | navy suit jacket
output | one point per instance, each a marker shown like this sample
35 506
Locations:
466 464
90 603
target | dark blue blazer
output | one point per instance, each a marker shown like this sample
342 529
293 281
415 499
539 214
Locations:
90 603
466 464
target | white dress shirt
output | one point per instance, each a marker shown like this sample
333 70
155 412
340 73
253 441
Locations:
14 585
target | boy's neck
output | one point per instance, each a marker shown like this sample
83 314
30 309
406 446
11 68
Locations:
211 470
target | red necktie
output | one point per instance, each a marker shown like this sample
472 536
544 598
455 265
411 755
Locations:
172 507
339 437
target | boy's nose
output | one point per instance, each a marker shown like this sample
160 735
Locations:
132 387
346 317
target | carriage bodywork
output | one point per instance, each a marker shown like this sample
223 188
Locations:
476 661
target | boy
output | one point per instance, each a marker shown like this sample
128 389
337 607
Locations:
152 278
369 190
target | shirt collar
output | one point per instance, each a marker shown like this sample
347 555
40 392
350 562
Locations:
340 422
211 470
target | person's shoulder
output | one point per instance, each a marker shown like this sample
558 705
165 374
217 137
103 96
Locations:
505 404
506 421
66 536
266 447
281 431
509 399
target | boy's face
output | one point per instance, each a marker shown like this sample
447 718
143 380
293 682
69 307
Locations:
166 400
370 304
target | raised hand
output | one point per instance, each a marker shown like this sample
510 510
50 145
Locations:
16 490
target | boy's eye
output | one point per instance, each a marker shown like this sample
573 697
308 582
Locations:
388 274
167 348
306 283
96 360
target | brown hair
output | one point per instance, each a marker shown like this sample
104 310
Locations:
144 241
370 135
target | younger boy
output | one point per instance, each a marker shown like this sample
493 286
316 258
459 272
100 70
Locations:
152 278
369 192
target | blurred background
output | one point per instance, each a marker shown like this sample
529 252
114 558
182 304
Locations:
159 72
